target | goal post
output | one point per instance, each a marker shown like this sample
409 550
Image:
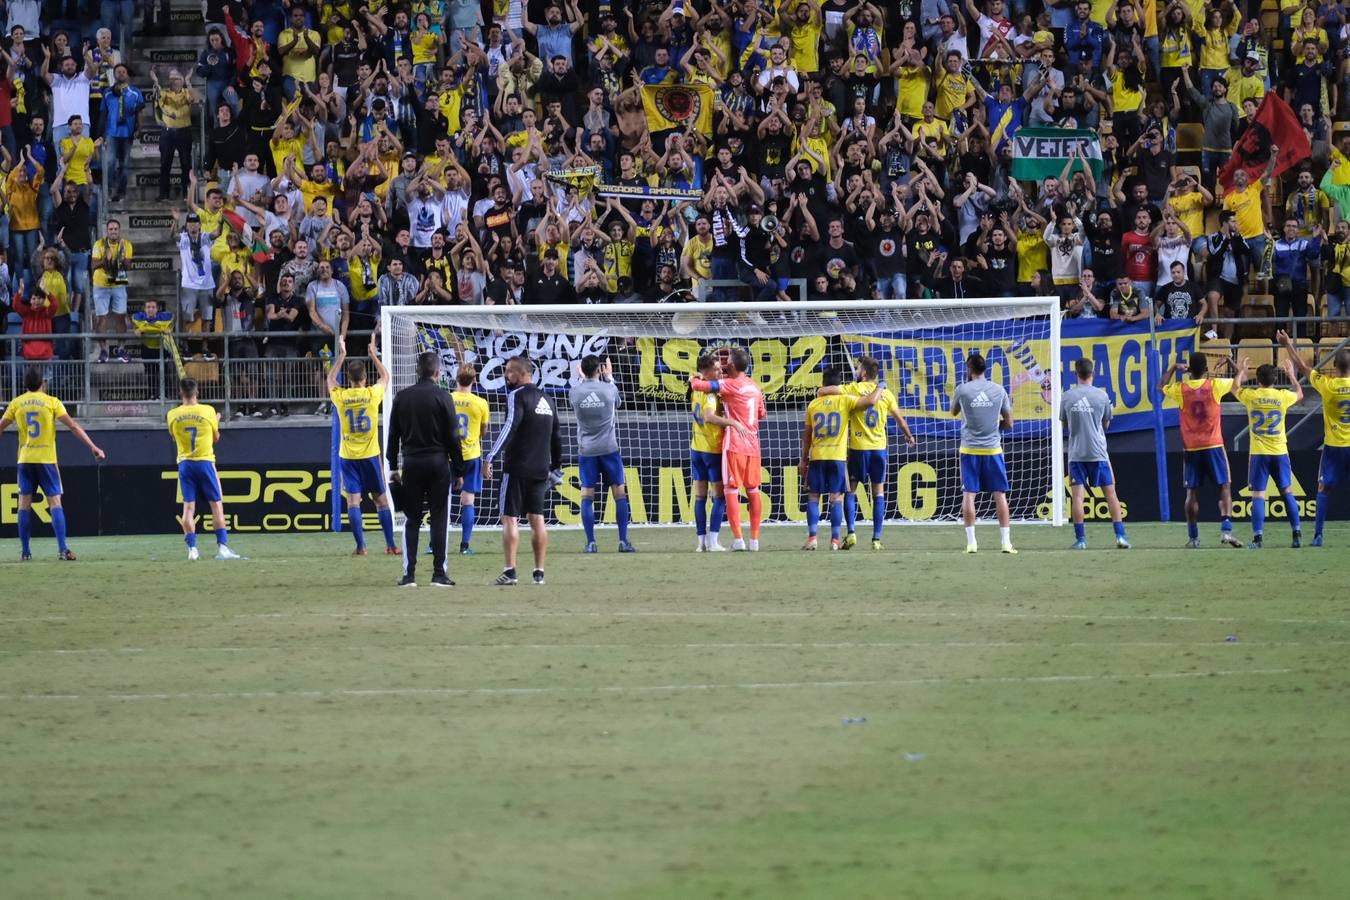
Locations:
921 346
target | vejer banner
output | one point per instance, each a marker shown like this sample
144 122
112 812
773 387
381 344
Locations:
1041 153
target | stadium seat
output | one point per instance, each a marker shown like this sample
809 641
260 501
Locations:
1189 136
1256 307
1304 350
1335 329
1260 352
203 372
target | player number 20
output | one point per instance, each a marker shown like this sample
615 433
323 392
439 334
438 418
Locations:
357 421
1266 424
827 424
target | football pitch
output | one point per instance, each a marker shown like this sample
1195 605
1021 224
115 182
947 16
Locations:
913 722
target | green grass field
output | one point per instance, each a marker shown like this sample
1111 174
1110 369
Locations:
1055 724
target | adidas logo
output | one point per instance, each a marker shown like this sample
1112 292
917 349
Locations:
542 408
591 401
1095 508
981 399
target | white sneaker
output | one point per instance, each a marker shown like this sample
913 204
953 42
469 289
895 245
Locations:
754 546
714 546
193 555
738 545
224 552
702 544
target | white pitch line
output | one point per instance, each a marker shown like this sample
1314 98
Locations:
671 614
733 645
632 689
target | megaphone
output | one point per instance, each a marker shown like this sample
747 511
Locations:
768 223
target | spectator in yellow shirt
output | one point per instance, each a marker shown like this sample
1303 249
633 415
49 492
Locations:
1245 201
802 23
173 109
21 189
298 48
77 153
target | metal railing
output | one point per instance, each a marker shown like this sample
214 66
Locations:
256 375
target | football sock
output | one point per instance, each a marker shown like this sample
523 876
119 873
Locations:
836 519
191 540
222 537
732 504
970 534
1193 530
623 516
59 526
813 517
1323 501
1226 525
387 525
588 518
719 510
1005 535
1080 531
26 528
756 503
1120 529
467 517
878 515
850 510
701 515
1258 516
358 527
1292 505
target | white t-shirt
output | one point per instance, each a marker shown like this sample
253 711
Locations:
988 27
70 97
195 266
768 75
426 218
456 205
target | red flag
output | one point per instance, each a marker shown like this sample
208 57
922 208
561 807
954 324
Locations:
1274 123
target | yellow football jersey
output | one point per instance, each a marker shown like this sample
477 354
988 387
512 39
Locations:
358 418
471 420
1335 394
867 427
827 417
704 438
35 415
1265 415
195 427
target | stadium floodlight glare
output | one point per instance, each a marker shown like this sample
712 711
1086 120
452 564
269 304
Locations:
921 346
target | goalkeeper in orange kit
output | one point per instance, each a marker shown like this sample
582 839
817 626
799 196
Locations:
743 405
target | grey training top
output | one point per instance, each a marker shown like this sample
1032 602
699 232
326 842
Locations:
1087 412
981 403
594 402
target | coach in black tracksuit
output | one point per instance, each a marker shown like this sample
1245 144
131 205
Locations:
422 423
530 445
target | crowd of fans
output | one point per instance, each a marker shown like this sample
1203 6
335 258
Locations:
357 155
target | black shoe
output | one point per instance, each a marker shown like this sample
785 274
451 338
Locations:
1298 539
25 557
271 411
507 578
441 581
538 576
407 581
285 411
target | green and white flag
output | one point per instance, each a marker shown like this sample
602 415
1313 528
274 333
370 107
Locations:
1040 153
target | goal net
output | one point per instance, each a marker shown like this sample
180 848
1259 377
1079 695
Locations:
921 347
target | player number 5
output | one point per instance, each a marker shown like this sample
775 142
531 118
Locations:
34 422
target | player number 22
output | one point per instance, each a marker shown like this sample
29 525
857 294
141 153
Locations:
827 424
357 421
1267 424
